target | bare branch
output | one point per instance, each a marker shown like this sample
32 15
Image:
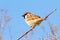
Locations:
0 36
49 14
25 33
53 30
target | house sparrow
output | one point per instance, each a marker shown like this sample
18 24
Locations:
31 19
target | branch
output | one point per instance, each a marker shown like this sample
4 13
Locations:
53 29
26 33
49 14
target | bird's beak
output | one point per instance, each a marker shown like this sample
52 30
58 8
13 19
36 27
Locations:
22 15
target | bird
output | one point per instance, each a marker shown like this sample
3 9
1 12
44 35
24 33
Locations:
33 20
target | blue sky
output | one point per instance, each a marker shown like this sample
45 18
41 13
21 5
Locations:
39 7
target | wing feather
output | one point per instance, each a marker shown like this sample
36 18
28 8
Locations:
32 17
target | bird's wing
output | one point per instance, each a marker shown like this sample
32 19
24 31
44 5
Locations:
32 17
35 16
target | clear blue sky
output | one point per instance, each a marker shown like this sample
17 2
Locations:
39 7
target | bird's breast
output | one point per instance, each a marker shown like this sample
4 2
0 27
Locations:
34 22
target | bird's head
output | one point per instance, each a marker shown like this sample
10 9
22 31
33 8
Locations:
26 13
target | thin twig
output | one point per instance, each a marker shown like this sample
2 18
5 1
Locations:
53 32
49 14
26 33
51 28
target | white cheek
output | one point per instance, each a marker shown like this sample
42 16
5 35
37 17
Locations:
26 17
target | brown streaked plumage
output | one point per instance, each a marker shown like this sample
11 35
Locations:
31 19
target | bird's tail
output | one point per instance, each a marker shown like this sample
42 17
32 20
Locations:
49 14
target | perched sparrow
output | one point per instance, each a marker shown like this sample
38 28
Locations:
31 19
